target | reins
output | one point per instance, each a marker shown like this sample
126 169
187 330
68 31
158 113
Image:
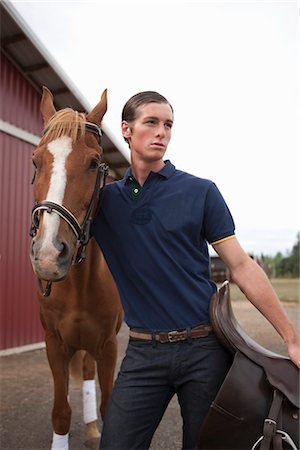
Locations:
82 232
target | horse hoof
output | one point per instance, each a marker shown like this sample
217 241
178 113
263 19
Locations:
92 443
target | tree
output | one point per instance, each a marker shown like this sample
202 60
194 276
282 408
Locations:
283 267
289 266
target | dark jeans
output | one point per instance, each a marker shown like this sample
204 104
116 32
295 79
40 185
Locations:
150 374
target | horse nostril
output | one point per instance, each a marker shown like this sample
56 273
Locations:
34 250
63 250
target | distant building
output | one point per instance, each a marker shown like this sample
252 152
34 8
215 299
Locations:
219 271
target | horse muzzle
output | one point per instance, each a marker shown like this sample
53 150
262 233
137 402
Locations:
51 262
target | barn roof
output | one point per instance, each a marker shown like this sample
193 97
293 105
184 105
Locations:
26 52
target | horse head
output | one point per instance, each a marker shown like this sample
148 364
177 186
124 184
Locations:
69 175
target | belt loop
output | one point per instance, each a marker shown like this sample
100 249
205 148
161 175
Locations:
154 342
189 335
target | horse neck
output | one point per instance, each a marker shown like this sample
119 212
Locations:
91 281
89 267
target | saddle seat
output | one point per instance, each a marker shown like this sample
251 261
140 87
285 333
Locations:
280 370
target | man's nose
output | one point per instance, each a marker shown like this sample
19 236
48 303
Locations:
160 130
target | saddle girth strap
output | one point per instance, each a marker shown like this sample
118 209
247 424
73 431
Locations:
270 438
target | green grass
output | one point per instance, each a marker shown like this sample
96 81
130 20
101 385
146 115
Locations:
288 290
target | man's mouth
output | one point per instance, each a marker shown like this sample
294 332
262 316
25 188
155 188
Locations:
158 144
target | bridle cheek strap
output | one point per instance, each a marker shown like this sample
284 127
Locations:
92 209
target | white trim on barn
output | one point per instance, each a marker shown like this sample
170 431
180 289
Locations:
22 348
19 133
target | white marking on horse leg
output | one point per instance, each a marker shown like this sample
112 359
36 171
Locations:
60 441
89 401
60 149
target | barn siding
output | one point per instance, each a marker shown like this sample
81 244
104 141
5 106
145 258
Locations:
20 101
20 323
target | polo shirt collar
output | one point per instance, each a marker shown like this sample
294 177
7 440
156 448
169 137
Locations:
165 172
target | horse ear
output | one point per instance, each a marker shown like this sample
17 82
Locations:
96 115
47 106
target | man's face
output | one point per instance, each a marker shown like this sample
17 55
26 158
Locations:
150 133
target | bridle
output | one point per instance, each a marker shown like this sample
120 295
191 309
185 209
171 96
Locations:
81 231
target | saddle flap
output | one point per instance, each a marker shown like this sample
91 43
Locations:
237 416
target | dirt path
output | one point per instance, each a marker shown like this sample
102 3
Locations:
26 392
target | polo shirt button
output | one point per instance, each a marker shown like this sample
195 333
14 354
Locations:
135 190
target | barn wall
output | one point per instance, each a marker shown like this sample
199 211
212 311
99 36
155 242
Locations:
20 323
20 101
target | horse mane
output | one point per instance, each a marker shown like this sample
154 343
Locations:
65 122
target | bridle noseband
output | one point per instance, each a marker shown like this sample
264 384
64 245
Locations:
82 232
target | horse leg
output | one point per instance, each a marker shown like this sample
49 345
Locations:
61 412
106 365
89 399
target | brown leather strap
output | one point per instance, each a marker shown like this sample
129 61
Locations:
172 336
270 423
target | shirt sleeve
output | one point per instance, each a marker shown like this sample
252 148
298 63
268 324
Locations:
218 224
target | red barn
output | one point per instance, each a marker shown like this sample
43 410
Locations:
25 67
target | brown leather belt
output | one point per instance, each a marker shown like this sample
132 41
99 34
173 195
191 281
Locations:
172 336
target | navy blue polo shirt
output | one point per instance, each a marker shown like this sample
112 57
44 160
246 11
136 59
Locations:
155 245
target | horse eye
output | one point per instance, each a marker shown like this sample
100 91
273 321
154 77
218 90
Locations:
94 164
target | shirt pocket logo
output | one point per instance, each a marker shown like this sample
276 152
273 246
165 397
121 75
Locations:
141 215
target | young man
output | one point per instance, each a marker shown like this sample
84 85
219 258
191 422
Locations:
153 228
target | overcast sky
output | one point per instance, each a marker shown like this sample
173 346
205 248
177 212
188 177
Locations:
231 71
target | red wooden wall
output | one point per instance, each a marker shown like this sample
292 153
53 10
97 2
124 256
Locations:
20 324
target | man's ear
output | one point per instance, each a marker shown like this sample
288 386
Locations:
126 130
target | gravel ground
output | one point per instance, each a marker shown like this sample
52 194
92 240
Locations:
26 392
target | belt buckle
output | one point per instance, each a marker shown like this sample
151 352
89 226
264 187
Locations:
175 336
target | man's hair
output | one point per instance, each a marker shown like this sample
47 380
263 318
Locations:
142 98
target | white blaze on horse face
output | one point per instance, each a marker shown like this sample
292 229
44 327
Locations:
60 149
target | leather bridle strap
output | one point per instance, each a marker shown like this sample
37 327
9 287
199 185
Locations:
86 224
99 185
63 212
93 128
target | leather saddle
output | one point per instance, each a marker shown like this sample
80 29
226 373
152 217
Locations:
257 406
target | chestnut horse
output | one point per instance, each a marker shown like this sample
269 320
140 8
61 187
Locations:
81 310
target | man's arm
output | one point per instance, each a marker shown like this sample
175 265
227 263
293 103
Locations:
254 283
